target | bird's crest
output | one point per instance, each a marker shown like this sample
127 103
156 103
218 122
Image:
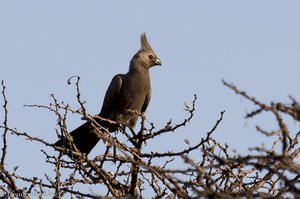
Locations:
145 44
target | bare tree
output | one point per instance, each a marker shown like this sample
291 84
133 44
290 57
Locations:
126 170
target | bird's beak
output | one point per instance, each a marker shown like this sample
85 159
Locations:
157 61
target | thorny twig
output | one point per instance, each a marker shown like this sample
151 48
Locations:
128 171
4 124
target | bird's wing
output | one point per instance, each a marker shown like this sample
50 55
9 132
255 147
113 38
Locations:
146 102
111 95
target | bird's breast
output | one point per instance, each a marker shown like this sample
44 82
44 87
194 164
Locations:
132 98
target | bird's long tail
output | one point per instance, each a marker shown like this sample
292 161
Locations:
83 137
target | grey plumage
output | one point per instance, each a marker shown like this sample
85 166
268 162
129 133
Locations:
126 93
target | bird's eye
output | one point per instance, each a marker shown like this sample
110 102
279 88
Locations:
151 56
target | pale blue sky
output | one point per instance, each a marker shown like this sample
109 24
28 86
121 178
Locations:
253 44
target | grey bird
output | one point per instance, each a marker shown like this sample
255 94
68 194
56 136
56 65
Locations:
127 95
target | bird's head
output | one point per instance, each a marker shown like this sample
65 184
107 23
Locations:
145 57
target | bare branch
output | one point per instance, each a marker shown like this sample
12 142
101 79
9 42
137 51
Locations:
4 148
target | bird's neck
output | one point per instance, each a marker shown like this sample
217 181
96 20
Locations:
141 76
139 70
